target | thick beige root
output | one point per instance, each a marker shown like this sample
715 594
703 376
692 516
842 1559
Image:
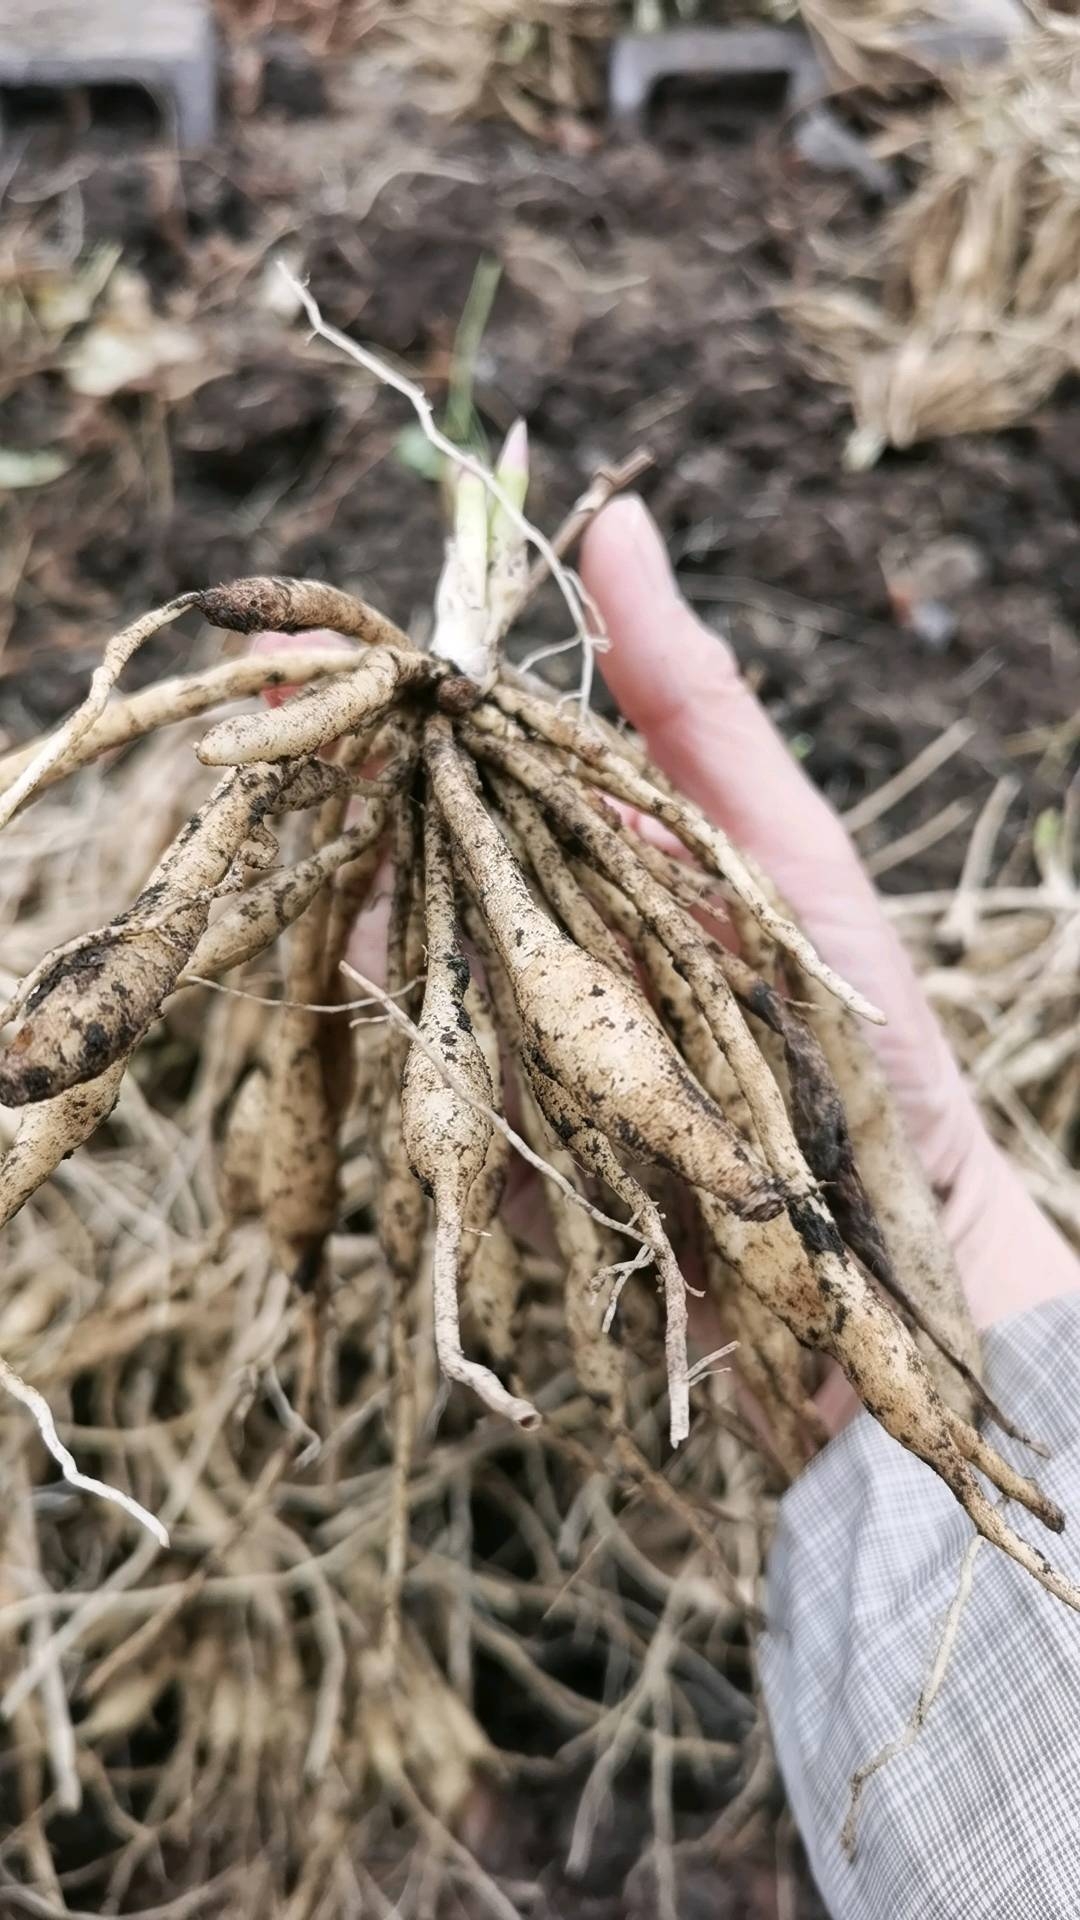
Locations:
184 697
845 1319
265 603
319 714
768 1357
242 1147
298 1179
447 1138
269 908
567 899
48 1132
618 776
90 1003
53 752
919 1254
598 1359
585 1140
491 1275
587 1028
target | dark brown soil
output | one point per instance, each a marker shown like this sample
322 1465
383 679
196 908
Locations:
638 303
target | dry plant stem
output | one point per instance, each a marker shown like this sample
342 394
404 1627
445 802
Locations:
910 777
585 1027
700 1525
66 739
617 775
183 698
59 1732
38 1408
447 1138
402 1425
958 927
928 1693
464 462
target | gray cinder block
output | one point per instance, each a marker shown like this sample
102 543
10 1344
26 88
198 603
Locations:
165 46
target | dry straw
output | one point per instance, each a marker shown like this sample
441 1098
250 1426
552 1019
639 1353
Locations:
967 312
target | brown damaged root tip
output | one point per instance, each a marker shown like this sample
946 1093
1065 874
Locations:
266 603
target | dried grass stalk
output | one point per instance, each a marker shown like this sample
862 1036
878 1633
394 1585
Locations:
973 315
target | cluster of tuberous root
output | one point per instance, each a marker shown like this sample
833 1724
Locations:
552 989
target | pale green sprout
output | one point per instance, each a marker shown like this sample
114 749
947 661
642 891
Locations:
486 563
461 595
508 550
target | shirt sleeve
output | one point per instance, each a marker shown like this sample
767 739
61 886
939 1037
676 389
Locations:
980 1816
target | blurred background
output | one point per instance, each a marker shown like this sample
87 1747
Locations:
719 263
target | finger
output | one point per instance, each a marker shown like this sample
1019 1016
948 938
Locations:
680 685
367 941
314 637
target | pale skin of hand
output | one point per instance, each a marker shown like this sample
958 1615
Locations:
679 685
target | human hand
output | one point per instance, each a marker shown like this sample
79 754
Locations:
680 686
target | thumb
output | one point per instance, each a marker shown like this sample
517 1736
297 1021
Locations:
680 686
268 642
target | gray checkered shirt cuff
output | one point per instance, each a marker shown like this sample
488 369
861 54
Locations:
980 1818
